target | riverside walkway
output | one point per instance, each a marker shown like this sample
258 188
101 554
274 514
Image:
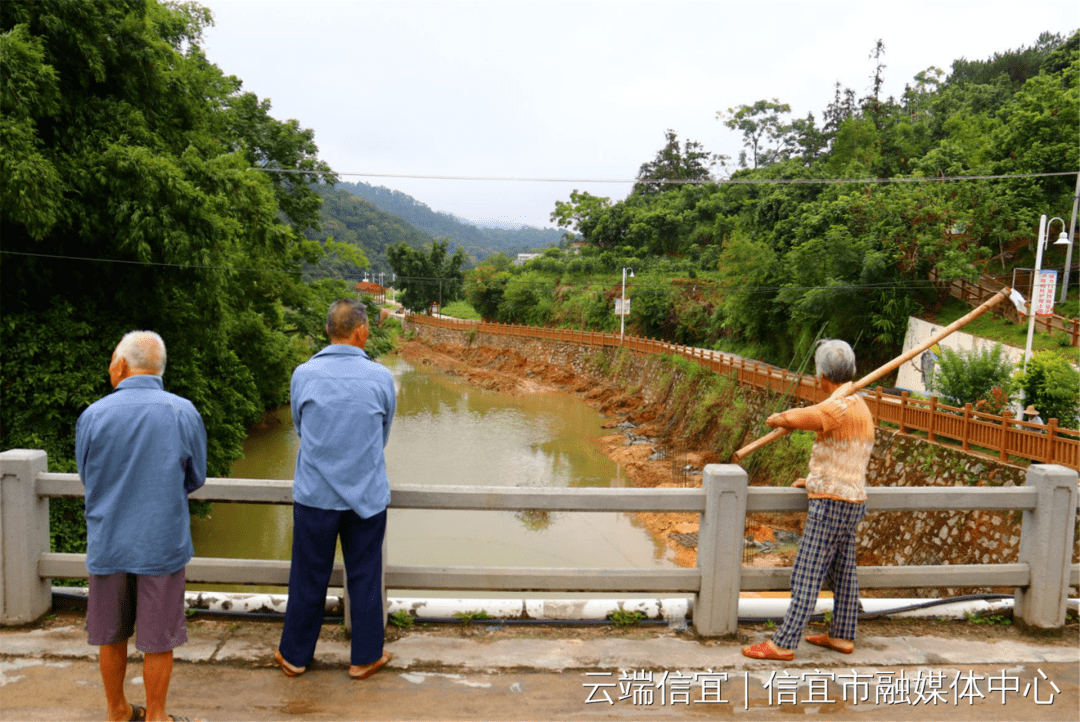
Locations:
225 672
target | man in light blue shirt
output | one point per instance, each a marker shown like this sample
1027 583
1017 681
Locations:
342 407
140 451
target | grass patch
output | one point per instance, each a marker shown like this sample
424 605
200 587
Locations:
460 309
623 618
1001 330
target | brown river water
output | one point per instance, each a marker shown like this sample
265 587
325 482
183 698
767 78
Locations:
447 432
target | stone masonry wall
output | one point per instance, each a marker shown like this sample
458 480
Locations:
885 538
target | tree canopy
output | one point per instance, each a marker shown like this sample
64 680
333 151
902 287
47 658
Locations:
427 278
143 188
838 225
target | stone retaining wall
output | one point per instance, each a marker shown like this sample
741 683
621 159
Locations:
886 538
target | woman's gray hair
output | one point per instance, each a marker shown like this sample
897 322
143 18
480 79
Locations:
835 360
344 317
144 351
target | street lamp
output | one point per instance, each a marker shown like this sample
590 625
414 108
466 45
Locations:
622 307
1044 226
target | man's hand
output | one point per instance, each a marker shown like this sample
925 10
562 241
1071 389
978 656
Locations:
799 483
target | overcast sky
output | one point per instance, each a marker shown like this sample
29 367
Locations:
573 90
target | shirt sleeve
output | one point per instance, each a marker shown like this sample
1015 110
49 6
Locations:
82 445
391 407
195 468
819 417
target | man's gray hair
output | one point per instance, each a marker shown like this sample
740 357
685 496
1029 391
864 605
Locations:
835 360
144 351
344 317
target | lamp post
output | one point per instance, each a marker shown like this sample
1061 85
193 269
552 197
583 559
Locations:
1044 226
622 307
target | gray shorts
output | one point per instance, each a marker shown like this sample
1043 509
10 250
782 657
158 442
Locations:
118 604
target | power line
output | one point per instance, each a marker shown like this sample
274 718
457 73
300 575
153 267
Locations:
641 285
669 181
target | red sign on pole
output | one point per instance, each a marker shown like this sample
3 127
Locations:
1043 294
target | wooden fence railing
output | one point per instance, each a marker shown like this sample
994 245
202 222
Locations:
999 436
977 292
1041 575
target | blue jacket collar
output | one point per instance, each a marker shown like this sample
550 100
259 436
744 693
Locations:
141 381
342 350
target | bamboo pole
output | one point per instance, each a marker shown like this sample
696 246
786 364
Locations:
884 370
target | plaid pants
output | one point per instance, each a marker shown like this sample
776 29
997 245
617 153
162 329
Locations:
826 554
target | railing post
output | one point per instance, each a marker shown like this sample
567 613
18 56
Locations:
933 417
24 537
1051 432
720 542
1046 542
1005 415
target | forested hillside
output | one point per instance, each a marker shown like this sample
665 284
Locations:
825 226
478 243
349 219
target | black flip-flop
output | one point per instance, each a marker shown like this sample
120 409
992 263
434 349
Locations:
138 714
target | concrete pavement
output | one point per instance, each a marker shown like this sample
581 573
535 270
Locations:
225 672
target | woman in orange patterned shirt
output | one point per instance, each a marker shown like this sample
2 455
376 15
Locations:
836 487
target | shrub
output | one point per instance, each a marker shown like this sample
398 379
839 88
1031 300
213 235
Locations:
967 377
1052 385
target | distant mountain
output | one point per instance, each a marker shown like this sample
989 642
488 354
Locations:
348 218
479 242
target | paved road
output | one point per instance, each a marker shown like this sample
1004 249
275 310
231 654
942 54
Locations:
225 673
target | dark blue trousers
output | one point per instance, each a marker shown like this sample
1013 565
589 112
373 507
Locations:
315 533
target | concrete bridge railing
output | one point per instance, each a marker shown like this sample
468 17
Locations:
1041 576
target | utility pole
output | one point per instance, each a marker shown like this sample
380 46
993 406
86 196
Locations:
1068 252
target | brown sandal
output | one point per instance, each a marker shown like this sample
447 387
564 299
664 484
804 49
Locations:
763 650
824 640
372 668
288 669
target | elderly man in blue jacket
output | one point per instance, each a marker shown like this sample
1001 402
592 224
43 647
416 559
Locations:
342 407
140 451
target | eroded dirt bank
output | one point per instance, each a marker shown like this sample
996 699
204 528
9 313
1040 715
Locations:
511 373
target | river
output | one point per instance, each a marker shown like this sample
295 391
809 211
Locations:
447 432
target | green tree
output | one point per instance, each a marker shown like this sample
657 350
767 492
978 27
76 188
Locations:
424 279
581 212
970 376
760 125
142 189
673 165
485 287
1052 385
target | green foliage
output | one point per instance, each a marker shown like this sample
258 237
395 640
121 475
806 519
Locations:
623 618
528 299
474 241
988 618
781 462
759 124
424 279
970 376
365 231
691 163
129 201
402 619
460 309
777 262
1052 385
469 617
